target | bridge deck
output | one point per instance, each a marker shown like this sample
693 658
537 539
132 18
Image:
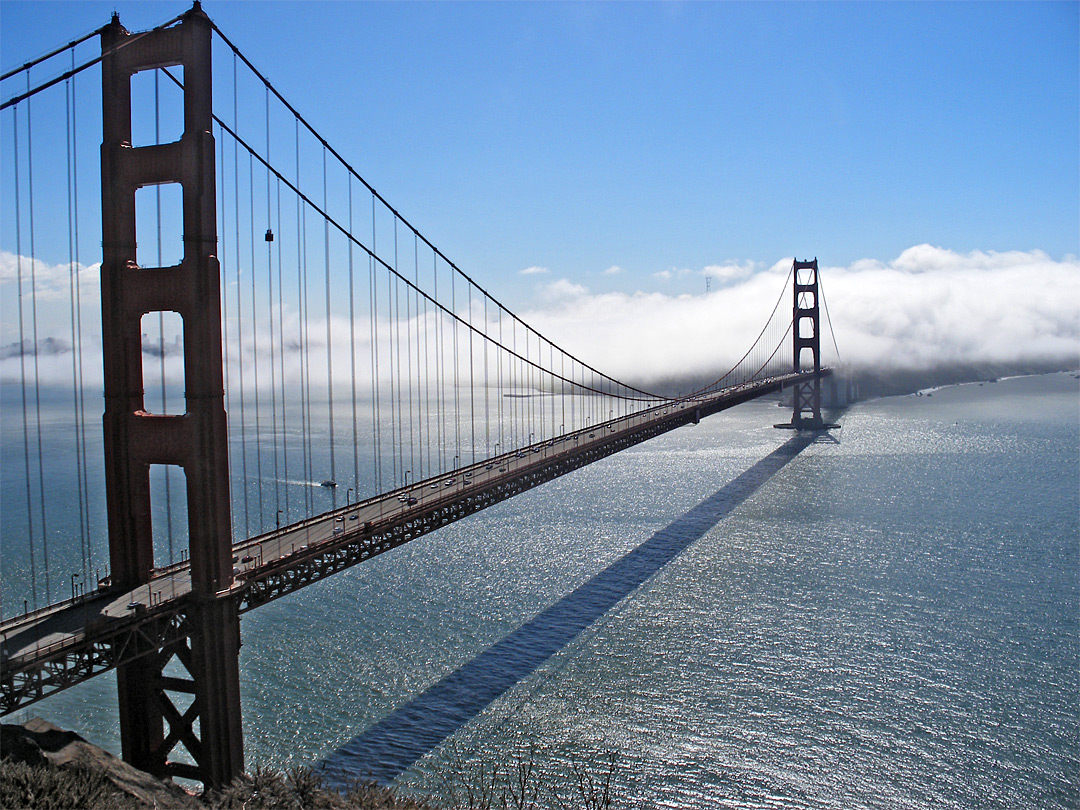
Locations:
54 648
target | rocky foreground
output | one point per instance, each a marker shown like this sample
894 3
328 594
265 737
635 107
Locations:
43 767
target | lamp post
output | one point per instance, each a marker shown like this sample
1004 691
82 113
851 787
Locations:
348 496
74 576
456 462
407 474
279 518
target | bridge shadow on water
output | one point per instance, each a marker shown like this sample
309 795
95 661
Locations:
391 746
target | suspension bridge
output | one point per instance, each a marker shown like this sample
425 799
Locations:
295 379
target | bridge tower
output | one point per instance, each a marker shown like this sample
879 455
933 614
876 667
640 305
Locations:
203 712
806 394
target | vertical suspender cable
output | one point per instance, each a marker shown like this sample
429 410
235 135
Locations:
73 276
540 389
487 389
270 312
78 319
240 313
427 380
397 361
222 252
281 364
472 385
562 392
423 470
255 342
391 324
394 304
440 378
408 371
37 367
454 358
515 430
376 412
329 341
527 389
395 365
499 384
22 363
828 318
302 343
352 353
309 460
551 365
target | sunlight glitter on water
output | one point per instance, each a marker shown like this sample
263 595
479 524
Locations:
887 621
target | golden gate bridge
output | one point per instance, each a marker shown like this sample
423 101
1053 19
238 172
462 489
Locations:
295 379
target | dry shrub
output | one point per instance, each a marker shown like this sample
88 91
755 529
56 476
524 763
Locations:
41 788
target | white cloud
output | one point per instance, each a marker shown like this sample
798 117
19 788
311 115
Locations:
926 308
931 306
613 270
674 272
532 271
51 281
47 300
729 273
563 290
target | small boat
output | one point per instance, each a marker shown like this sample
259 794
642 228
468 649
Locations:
328 483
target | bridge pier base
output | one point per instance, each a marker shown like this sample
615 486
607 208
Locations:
153 702
141 730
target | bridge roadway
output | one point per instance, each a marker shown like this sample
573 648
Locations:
63 644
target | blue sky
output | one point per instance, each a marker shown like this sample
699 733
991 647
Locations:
595 161
653 137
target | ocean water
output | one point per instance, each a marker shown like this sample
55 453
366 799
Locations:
885 618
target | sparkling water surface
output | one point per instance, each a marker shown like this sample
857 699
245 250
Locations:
890 619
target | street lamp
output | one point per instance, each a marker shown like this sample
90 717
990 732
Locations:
407 474
348 493
74 576
456 462
279 518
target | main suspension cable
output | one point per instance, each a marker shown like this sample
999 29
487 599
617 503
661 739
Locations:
828 318
266 82
30 92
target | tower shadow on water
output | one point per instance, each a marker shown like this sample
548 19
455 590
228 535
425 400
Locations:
392 745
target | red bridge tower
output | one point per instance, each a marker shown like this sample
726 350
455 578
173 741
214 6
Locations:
203 714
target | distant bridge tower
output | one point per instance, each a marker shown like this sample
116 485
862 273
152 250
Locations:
204 712
806 333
